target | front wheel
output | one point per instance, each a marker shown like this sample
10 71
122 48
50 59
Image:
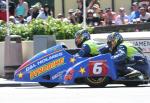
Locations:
48 85
97 82
131 84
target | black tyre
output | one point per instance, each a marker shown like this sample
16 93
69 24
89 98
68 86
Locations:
97 82
131 84
48 85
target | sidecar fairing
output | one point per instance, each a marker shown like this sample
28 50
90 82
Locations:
56 65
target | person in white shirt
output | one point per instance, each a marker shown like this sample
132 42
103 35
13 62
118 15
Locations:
144 16
44 12
149 9
122 18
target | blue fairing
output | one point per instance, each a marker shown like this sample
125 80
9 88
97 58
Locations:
57 65
84 64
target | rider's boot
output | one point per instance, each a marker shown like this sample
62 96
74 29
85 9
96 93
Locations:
133 74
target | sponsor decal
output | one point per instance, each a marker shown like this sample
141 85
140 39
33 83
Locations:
31 67
20 75
72 60
144 44
82 70
43 61
58 75
37 72
98 68
49 58
69 76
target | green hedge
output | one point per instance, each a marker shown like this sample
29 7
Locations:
51 26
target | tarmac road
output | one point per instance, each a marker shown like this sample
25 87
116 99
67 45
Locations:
75 94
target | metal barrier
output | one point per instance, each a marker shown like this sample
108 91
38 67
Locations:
13 55
42 42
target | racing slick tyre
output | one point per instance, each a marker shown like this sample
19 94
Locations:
131 84
48 85
97 82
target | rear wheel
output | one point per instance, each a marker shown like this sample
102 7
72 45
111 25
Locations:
97 82
48 85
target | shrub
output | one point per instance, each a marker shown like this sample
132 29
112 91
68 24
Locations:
51 26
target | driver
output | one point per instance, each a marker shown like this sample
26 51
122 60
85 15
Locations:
123 54
88 47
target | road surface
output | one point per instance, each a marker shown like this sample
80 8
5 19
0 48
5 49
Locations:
75 94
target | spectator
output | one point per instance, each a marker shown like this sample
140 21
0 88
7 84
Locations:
60 17
30 13
89 4
144 16
101 17
78 16
149 9
22 8
122 18
144 3
96 17
71 16
80 5
12 19
96 9
2 10
20 20
26 8
44 13
12 7
135 13
90 18
92 3
35 11
109 16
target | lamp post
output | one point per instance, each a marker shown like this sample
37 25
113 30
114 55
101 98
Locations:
7 17
84 14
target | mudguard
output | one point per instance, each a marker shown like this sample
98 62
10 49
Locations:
56 65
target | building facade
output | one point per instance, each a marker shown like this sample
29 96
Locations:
62 6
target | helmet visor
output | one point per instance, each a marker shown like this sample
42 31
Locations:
109 44
78 41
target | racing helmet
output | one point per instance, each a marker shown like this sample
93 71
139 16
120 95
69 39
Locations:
81 36
115 36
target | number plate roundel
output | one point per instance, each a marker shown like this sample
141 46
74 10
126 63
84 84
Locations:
98 68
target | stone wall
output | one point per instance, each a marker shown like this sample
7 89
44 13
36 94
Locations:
122 28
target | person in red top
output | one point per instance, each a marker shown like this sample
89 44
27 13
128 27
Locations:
110 17
3 10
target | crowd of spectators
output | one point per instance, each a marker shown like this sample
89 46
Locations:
22 13
140 12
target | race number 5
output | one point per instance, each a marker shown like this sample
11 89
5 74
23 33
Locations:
97 68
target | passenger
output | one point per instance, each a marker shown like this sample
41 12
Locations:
88 47
128 59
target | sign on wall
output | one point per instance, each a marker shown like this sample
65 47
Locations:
144 44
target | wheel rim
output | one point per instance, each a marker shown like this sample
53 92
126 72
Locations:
96 80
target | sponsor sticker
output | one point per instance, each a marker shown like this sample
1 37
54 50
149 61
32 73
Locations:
42 61
58 75
143 44
37 72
